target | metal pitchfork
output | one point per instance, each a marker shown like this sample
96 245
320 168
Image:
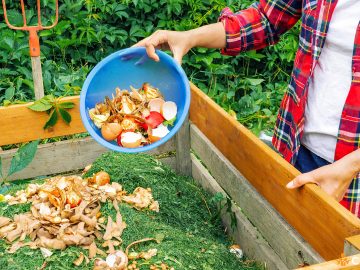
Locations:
34 43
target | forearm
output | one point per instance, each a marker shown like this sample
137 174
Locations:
353 161
208 36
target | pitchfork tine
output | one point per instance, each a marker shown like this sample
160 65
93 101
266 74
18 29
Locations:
56 16
23 12
38 12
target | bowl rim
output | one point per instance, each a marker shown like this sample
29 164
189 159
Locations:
94 71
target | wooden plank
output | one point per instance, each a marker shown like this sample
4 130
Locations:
20 124
344 263
169 161
286 242
183 160
68 156
322 221
352 245
245 234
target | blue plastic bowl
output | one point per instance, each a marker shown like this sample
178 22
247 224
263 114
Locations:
132 67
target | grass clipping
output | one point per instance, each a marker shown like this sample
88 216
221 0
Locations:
185 234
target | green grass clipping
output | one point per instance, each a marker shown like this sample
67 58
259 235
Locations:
191 233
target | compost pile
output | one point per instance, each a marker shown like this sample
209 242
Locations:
134 118
165 222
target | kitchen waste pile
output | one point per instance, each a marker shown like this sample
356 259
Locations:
135 118
126 212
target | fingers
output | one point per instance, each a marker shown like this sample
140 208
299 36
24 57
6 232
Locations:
300 181
153 42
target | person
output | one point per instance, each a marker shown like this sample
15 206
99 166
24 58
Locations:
318 124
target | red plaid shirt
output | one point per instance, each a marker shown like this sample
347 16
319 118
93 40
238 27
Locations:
261 25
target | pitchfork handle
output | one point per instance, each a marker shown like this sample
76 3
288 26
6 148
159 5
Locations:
37 77
34 46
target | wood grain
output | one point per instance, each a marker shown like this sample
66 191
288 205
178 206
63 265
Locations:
322 221
183 160
283 239
245 234
70 155
344 263
20 124
37 77
352 245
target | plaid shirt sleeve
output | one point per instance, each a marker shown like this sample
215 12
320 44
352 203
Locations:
259 25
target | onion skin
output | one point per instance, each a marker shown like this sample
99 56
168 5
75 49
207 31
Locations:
101 178
110 131
73 199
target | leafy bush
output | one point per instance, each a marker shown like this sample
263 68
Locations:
249 86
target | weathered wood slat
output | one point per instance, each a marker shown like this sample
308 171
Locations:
245 234
286 242
322 221
20 124
183 160
68 156
352 245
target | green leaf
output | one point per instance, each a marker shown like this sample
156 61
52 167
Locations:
9 93
7 102
254 81
169 122
52 119
65 115
66 105
42 105
23 157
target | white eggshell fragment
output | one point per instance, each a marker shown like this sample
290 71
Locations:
169 110
131 139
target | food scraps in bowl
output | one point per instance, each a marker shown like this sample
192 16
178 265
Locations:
134 118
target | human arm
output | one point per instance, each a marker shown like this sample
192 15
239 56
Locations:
253 28
208 36
335 178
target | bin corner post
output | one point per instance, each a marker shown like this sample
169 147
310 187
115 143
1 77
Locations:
183 158
352 245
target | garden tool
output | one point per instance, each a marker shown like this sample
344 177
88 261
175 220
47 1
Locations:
34 43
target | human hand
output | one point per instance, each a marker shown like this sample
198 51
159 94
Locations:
179 43
334 179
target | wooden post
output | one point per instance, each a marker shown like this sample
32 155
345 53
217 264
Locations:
183 159
352 245
37 77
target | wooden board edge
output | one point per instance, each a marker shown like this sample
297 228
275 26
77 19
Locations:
343 263
203 113
245 234
285 241
20 124
69 155
352 245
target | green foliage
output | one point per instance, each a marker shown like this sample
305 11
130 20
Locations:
250 85
54 108
22 158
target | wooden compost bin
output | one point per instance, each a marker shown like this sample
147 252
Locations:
279 227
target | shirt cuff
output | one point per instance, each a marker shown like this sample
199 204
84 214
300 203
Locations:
233 28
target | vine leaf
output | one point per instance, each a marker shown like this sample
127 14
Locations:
42 104
65 115
66 105
52 119
23 157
